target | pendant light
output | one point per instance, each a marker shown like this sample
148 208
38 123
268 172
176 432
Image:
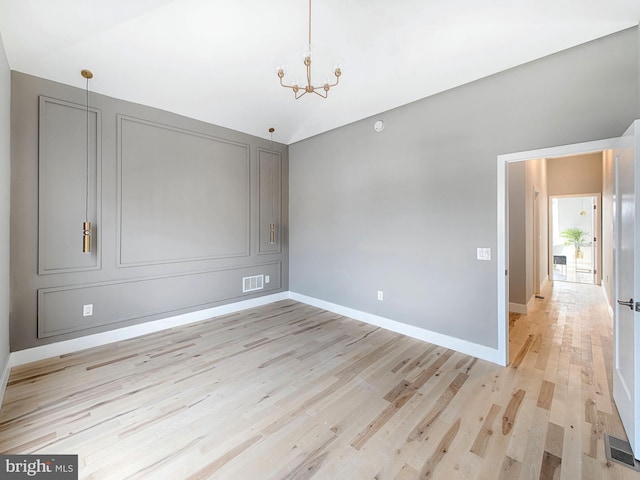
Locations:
86 225
582 212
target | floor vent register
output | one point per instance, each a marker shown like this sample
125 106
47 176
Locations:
619 451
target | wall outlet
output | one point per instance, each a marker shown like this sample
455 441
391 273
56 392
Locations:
87 310
266 279
380 295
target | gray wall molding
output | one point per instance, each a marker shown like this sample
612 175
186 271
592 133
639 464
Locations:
130 229
60 216
55 317
270 200
196 188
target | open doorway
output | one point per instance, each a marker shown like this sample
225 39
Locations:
573 238
507 219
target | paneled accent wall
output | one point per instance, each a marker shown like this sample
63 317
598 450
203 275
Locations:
181 195
181 213
270 190
65 188
120 301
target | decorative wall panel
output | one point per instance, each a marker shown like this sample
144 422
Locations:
60 309
182 195
270 207
62 181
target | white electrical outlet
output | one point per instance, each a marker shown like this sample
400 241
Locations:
380 295
87 310
266 279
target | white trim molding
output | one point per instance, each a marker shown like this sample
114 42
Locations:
69 346
518 308
606 297
5 377
544 282
523 309
459 345
74 345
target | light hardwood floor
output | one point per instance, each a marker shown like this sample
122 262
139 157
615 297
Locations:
289 391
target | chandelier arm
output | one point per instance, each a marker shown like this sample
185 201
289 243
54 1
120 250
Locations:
334 84
298 94
318 93
282 84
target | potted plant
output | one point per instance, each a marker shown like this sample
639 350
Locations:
574 236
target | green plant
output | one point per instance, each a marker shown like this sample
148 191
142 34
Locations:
574 236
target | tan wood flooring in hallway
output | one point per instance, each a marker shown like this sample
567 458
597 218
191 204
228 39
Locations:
289 391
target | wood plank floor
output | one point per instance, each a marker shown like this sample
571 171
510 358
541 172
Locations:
288 391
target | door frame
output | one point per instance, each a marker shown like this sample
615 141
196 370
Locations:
535 231
503 224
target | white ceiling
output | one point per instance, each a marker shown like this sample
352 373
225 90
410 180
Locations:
215 60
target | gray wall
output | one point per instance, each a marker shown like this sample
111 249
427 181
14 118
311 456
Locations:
404 210
5 183
179 211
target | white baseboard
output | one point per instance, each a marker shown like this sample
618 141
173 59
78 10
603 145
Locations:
523 309
606 297
517 308
463 346
5 377
74 345
69 346
544 282
531 303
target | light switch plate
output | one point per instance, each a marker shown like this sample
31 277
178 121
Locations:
87 310
484 254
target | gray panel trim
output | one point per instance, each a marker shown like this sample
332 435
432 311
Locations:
120 118
96 254
277 247
43 292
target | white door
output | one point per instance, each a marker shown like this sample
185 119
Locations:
626 377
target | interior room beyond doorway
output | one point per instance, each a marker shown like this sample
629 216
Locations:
573 240
537 253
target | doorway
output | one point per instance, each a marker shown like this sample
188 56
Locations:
502 354
573 238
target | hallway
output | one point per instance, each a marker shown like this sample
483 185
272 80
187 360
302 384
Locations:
568 341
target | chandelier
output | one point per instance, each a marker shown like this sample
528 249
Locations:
299 90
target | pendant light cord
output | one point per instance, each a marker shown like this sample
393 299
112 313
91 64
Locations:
273 194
